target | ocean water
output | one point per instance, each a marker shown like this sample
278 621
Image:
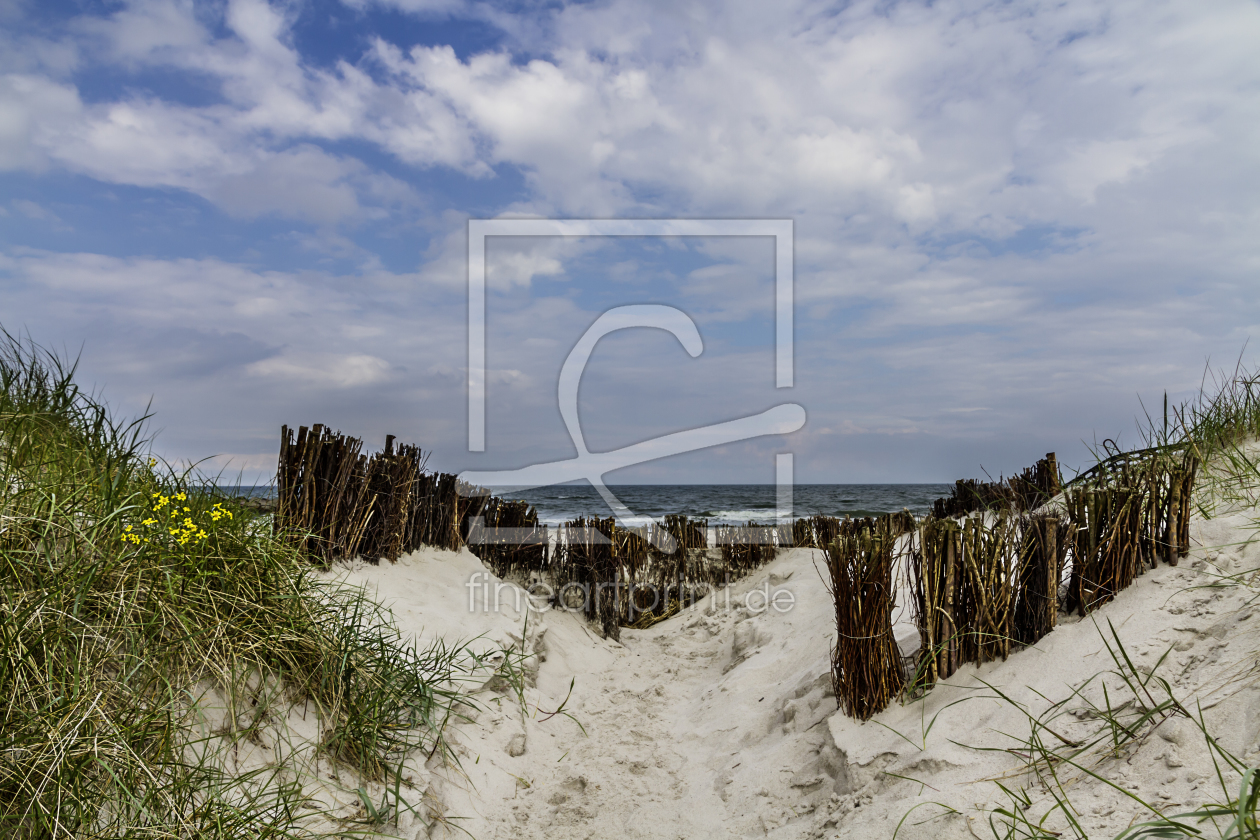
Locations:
719 503
730 503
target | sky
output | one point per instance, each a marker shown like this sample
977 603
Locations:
1016 225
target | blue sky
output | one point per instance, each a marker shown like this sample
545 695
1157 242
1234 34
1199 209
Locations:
1014 222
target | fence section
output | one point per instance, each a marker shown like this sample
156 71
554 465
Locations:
336 503
994 578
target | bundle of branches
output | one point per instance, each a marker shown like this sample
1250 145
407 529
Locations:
334 502
865 663
322 478
443 506
896 524
819 531
1170 484
508 538
784 534
745 547
970 495
606 608
815 531
391 480
828 528
585 564
1133 512
688 534
985 606
569 559
632 553
1107 554
803 534
1044 544
665 589
1037 484
935 580
1029 490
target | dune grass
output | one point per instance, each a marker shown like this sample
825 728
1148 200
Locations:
125 595
1220 426
1217 426
1120 719
1120 708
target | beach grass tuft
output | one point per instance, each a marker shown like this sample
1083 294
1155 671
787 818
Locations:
128 592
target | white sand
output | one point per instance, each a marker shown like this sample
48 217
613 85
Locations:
720 722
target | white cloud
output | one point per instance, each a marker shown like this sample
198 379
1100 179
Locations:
145 28
32 210
953 116
323 370
31 109
148 143
424 7
301 182
1110 144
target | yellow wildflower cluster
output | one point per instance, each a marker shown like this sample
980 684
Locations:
170 515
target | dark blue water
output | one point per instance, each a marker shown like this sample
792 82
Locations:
257 491
730 503
719 503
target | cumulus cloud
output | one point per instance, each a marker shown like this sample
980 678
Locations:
32 109
324 370
954 116
987 197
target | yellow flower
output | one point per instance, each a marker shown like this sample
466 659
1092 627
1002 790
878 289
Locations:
181 496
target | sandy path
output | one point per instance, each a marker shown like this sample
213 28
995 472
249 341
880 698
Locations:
691 727
634 773
721 723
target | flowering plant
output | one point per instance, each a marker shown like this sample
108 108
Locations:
172 522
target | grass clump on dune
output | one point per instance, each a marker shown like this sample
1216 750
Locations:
126 596
1224 428
1220 427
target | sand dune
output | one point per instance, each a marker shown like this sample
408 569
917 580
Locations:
720 722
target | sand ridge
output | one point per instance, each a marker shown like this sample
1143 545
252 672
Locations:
720 722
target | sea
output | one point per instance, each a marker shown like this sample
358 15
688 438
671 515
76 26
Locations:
719 503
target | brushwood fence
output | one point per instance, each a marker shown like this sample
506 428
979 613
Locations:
334 502
509 539
866 663
994 577
1027 491
635 576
